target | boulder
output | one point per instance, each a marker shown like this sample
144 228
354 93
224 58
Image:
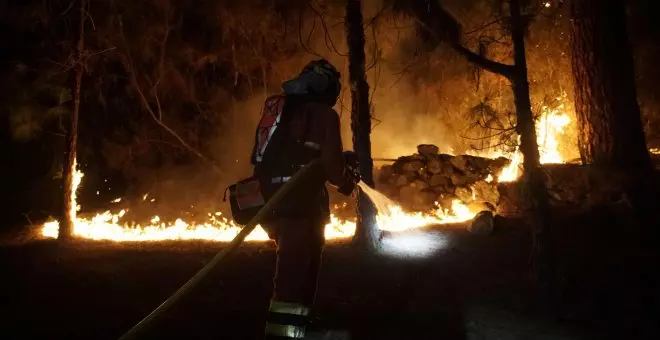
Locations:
507 207
462 180
418 157
385 173
483 223
486 192
495 166
413 166
427 150
424 200
464 194
401 180
476 207
407 194
434 166
443 189
439 180
419 185
460 162
445 200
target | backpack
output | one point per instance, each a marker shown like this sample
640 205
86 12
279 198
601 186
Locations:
276 156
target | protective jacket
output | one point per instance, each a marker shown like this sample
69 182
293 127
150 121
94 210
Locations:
294 129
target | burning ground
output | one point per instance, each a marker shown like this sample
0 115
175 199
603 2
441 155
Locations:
447 185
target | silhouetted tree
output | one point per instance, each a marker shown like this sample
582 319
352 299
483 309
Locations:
609 119
365 233
67 222
443 27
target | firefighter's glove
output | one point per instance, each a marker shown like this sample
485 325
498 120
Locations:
352 169
352 165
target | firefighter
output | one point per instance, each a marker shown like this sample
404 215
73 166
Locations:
296 127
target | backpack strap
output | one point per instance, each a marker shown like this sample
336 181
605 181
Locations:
270 120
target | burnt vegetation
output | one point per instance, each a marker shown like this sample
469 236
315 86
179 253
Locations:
161 97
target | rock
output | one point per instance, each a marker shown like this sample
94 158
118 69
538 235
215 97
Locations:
413 166
418 157
412 176
457 179
460 162
496 165
385 173
443 189
424 176
427 150
482 224
476 207
445 200
434 166
407 194
424 200
419 185
401 180
464 194
507 208
486 192
478 163
439 180
462 180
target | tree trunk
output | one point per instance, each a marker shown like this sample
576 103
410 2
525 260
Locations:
533 176
448 29
69 205
366 234
609 119
610 127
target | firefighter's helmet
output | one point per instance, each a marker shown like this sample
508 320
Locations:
319 78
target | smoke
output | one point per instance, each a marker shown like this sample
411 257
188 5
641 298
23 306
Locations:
417 96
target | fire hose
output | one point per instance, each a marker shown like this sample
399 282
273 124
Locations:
134 332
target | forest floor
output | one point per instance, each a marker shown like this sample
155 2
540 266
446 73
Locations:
473 287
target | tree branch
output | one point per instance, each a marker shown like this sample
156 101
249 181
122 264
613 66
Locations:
484 63
444 28
158 114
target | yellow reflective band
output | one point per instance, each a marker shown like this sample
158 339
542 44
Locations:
285 330
288 308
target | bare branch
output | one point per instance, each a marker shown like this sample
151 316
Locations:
157 115
484 26
300 30
430 17
485 63
328 38
68 8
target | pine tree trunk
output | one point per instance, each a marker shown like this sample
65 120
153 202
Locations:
68 211
609 119
366 233
533 176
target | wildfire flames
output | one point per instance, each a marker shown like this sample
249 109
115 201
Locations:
391 217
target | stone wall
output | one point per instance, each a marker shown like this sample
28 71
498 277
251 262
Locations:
427 179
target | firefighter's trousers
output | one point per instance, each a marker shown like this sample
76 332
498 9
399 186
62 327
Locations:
299 248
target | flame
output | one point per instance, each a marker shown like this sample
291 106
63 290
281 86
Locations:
549 127
390 217
109 226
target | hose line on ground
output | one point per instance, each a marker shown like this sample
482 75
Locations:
134 332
